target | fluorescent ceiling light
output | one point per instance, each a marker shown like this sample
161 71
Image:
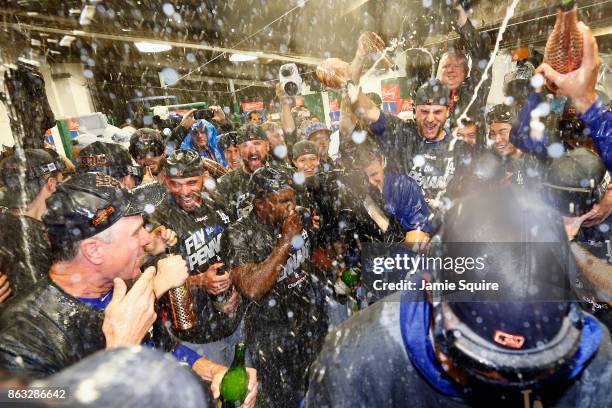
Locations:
242 57
152 47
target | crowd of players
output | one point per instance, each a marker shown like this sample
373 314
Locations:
272 215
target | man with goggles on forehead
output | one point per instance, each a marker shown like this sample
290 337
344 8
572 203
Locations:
112 160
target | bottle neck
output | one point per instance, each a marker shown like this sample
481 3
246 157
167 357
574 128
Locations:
567 5
238 356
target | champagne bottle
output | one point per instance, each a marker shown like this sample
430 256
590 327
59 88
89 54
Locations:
347 280
234 385
182 307
563 50
221 299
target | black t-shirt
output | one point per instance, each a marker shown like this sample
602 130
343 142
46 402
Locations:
25 251
526 171
199 243
296 297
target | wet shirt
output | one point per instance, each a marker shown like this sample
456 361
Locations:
294 299
370 361
25 251
430 164
405 201
526 171
199 243
198 232
232 188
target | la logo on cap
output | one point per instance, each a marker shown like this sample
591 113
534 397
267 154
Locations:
509 340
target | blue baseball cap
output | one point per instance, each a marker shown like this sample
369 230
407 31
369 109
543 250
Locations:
315 127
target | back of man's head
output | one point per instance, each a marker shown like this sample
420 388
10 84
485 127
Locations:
24 173
528 327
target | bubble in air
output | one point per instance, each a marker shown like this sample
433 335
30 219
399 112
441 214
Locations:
169 75
299 178
537 81
190 57
359 136
418 160
88 73
210 184
555 150
280 151
297 241
168 9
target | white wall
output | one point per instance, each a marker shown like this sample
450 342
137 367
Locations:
67 97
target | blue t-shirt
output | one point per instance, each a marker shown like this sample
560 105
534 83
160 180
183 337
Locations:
180 352
405 201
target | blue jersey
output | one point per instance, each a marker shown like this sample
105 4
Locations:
405 201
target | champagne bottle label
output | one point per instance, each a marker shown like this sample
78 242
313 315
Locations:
182 308
563 50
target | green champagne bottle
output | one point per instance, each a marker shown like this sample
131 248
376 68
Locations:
235 381
351 277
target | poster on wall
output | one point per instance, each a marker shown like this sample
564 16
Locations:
334 110
397 96
253 106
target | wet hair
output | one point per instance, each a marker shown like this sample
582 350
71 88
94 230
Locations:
464 123
365 155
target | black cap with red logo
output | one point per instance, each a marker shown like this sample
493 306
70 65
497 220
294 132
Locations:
89 203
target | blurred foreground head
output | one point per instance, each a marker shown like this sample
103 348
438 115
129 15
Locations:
528 328
128 377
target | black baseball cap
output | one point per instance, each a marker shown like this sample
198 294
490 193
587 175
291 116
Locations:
500 113
529 327
228 139
183 163
146 142
433 92
89 203
108 158
250 131
34 164
304 147
576 181
270 179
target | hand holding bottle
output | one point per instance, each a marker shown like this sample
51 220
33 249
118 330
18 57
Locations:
578 85
210 281
171 273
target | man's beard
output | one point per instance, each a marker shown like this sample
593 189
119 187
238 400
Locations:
254 159
189 202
